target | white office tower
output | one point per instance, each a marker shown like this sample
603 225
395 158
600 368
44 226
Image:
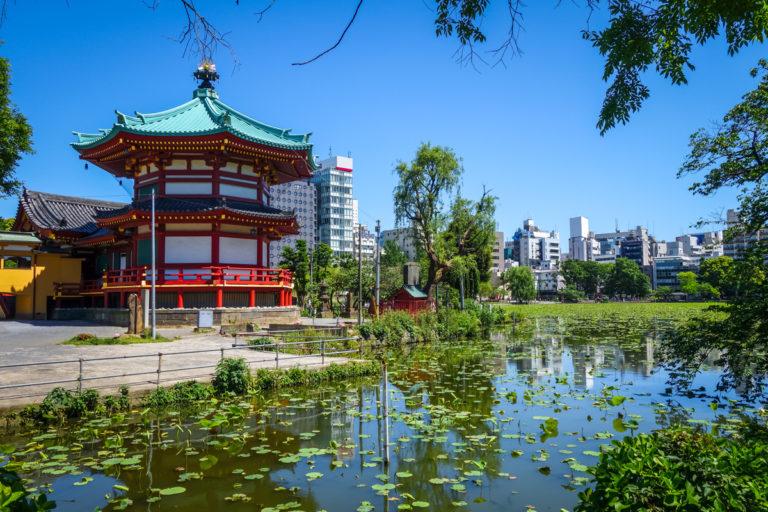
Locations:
335 208
581 246
404 239
299 197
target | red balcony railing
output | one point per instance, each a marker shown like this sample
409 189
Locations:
197 276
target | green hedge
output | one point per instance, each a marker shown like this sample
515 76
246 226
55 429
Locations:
265 379
399 327
680 469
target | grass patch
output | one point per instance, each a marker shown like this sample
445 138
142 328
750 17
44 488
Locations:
123 339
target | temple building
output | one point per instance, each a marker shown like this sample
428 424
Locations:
209 168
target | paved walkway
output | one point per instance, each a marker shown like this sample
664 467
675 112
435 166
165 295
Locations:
194 356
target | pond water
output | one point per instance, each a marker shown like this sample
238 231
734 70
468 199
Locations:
502 425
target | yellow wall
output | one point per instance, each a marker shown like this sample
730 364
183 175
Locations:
47 269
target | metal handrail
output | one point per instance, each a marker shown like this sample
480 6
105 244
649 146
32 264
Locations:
160 370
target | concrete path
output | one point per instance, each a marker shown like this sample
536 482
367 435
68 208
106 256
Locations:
194 356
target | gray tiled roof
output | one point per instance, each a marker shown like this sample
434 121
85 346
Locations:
64 213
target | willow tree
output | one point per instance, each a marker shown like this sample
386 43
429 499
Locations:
459 234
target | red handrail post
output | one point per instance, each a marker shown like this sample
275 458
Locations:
219 297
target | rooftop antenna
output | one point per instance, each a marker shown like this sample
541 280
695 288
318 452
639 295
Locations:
330 151
616 224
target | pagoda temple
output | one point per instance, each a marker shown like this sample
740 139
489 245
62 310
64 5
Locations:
209 168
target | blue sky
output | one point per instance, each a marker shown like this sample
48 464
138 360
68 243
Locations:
526 131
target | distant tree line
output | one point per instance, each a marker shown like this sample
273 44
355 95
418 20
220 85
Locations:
590 279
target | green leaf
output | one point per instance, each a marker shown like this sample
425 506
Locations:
170 491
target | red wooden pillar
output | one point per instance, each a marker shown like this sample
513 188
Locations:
215 242
122 300
106 300
252 298
219 297
180 299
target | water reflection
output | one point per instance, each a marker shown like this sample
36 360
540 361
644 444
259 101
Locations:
468 431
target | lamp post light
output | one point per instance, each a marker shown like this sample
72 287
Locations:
154 269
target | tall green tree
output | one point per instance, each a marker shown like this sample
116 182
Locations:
425 186
627 280
6 224
520 283
322 260
718 272
392 255
689 282
586 276
15 134
296 259
734 154
420 195
468 242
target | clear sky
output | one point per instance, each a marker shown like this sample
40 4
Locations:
526 131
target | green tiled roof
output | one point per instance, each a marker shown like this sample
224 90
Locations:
203 115
415 291
22 237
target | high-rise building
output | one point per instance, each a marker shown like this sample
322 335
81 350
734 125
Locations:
300 198
634 244
535 247
404 239
497 256
736 246
582 244
368 242
335 207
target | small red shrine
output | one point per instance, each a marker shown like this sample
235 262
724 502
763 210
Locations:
210 168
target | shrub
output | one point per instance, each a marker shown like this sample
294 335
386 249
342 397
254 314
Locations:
60 404
680 469
83 336
232 376
119 402
15 498
265 378
571 294
455 324
180 394
399 327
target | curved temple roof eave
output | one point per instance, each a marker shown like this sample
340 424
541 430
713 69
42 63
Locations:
214 117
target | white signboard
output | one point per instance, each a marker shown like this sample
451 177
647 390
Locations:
205 318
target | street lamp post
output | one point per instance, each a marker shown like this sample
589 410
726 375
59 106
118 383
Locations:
154 269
